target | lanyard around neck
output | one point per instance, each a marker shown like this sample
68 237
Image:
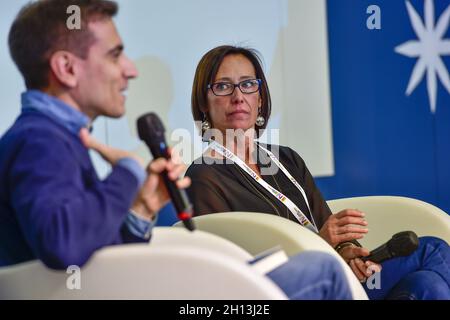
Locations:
298 214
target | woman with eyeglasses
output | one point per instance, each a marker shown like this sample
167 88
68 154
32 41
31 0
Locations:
231 103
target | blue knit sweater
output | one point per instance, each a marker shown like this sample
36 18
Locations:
53 206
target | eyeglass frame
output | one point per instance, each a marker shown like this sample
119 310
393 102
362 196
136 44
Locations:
209 86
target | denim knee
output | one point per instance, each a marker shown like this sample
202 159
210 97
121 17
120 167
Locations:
312 275
321 266
435 248
318 260
421 285
435 242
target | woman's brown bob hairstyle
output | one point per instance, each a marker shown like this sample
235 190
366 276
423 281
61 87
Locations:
207 70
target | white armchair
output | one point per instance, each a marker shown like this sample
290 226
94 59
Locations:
176 265
387 215
256 232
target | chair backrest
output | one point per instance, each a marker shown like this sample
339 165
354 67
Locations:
256 232
199 266
387 215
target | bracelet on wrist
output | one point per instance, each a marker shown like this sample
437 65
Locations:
343 245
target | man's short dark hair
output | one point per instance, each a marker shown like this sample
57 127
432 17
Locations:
40 29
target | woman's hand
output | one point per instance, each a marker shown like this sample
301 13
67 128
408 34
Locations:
344 226
351 254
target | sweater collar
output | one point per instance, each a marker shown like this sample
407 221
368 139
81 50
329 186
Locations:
54 108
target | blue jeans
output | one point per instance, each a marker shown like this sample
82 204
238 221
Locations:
312 276
423 275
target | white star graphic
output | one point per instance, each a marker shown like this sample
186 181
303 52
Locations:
428 48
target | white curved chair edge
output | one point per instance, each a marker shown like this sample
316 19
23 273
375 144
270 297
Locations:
137 271
432 210
246 228
410 214
168 236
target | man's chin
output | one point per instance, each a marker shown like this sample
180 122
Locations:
116 112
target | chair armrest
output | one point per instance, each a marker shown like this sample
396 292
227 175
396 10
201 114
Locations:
256 232
387 215
174 270
169 236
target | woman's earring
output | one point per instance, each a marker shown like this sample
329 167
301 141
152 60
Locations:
260 121
205 123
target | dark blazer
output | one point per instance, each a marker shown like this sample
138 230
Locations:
226 187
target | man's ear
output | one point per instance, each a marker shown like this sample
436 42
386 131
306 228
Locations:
62 65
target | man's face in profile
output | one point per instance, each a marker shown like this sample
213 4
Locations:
104 74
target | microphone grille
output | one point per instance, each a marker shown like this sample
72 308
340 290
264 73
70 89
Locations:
150 127
403 243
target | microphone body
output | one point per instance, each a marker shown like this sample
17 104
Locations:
402 244
151 131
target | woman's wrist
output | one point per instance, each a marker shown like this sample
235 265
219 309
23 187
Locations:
343 245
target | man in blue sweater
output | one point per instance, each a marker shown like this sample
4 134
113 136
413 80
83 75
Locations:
53 206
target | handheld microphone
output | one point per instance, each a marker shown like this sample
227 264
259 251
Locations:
151 131
402 244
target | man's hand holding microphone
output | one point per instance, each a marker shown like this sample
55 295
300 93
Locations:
153 194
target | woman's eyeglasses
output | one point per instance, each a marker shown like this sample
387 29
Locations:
227 88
